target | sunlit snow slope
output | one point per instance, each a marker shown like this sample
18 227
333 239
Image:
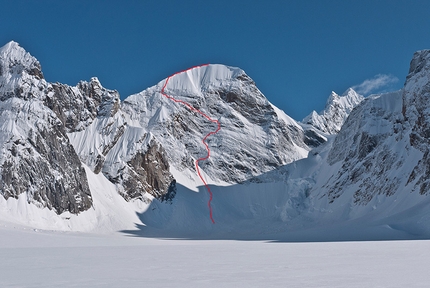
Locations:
76 158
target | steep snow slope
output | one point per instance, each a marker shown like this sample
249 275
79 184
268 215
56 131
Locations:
254 137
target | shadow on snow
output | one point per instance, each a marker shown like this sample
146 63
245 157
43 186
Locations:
257 211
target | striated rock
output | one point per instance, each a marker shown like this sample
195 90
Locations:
416 111
363 149
37 159
148 172
78 106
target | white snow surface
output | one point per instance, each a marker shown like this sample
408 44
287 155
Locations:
110 211
193 81
37 258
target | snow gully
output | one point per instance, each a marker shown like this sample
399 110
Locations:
204 139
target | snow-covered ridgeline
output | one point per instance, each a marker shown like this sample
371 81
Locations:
254 137
359 162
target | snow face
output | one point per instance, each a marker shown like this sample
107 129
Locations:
202 78
254 137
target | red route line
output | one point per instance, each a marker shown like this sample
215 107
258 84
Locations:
204 139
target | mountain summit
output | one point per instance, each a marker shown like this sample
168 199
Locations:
79 158
255 136
336 110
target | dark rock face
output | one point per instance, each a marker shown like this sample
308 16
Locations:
251 105
38 158
78 106
313 139
149 172
41 162
416 111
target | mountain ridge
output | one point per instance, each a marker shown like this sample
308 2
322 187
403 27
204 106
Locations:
106 160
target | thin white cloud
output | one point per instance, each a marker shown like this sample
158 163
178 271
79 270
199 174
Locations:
375 84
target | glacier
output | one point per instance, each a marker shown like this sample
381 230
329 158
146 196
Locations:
358 170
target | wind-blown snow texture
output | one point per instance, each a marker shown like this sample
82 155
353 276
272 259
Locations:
76 158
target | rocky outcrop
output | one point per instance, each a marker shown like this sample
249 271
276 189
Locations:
78 106
37 159
91 110
148 172
416 111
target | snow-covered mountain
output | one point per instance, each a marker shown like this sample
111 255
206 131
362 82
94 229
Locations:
36 156
78 158
255 136
336 110
138 144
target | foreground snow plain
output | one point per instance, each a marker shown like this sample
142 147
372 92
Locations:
158 255
39 258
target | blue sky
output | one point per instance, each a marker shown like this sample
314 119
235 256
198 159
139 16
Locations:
296 51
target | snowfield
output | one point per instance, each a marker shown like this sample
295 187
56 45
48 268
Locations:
84 175
34 258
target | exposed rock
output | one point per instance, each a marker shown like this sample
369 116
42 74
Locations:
149 172
362 148
416 110
78 106
38 160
